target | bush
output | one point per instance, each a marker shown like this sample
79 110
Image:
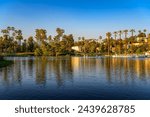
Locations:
38 52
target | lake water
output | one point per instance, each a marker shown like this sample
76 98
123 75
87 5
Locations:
75 78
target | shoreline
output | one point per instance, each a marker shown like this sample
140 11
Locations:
28 54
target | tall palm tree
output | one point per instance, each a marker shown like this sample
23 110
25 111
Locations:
5 33
8 28
12 28
108 36
79 38
132 38
120 40
100 39
19 36
132 32
115 36
140 31
144 30
120 34
126 42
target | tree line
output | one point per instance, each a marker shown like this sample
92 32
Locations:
12 41
118 42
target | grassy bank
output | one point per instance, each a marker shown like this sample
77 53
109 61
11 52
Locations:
23 54
4 63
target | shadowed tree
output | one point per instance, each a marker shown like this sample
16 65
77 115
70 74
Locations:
108 36
126 41
115 36
69 42
24 46
30 44
19 37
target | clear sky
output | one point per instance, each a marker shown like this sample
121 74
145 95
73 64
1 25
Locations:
89 18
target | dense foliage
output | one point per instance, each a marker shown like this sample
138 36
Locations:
12 41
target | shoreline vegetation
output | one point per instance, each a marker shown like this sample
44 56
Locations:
4 63
123 43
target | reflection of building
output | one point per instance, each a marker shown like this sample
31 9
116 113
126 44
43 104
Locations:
75 61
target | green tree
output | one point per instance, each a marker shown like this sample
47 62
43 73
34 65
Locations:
115 37
132 32
40 35
30 44
126 40
60 33
108 36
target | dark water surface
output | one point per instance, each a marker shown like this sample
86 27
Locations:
75 78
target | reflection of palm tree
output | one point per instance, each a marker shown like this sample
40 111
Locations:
41 70
108 65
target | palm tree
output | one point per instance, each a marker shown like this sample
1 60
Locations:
12 28
19 36
79 38
126 42
100 39
115 35
120 33
140 31
5 33
108 36
144 30
132 38
120 40
132 32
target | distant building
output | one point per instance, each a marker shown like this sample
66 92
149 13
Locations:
76 48
137 44
147 53
141 37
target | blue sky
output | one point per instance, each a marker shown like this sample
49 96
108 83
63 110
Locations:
89 18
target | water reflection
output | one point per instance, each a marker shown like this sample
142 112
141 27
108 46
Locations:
75 73
43 68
